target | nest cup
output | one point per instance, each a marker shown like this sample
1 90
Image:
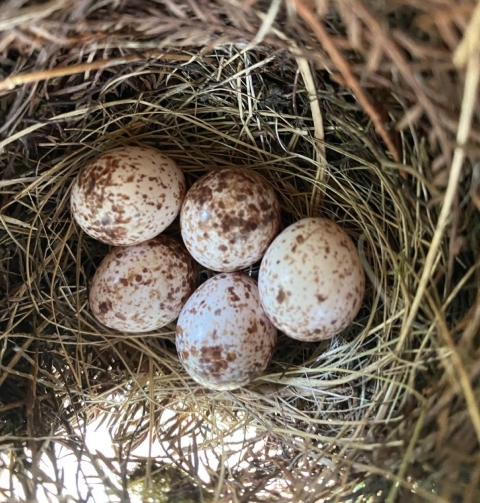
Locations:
361 112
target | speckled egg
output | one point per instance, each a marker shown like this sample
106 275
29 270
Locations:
228 219
143 287
311 281
224 338
127 195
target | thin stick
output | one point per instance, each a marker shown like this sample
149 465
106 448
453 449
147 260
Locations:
392 495
403 66
319 132
344 68
462 375
28 78
468 106
470 43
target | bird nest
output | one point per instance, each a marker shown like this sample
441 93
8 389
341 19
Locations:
364 112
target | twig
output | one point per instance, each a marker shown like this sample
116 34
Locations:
29 14
21 403
462 375
27 78
319 132
403 66
468 106
470 44
392 495
344 68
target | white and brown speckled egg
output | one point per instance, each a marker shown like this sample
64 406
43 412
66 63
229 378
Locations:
311 280
228 219
224 338
143 287
127 195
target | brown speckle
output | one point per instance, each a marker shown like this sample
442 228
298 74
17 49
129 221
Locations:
103 307
233 296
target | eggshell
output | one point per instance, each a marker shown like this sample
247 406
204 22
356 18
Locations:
224 338
311 280
143 287
127 195
228 219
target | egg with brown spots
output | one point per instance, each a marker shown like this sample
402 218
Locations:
224 338
228 219
311 280
143 287
127 195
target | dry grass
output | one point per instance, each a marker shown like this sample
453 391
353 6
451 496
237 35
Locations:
356 112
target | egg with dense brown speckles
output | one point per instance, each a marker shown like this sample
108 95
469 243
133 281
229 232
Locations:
224 338
143 287
127 195
228 219
311 280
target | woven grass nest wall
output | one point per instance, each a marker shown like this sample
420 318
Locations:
365 112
